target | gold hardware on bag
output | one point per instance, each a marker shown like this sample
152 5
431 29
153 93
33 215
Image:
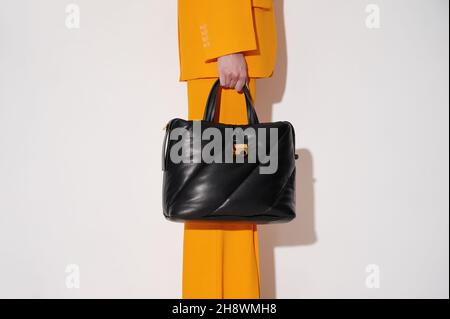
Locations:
240 149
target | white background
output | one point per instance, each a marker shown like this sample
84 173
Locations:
81 117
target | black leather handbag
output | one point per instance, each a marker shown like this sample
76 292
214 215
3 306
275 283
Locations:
244 189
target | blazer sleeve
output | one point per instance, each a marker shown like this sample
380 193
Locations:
225 27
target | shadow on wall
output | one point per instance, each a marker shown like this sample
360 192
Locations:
300 231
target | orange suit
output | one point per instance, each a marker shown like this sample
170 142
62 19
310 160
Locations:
208 29
221 260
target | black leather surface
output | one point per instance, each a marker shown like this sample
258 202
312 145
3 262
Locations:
230 191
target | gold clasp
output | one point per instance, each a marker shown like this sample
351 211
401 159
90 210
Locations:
240 149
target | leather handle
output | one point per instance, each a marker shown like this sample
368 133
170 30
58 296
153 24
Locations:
211 103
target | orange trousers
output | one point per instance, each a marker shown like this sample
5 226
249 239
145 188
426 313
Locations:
220 259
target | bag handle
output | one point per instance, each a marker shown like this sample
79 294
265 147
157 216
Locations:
210 108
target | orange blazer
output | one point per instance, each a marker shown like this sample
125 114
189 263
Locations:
208 29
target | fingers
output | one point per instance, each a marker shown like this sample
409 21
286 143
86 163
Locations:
232 71
240 83
232 80
223 79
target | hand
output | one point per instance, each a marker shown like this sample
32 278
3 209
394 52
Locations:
232 71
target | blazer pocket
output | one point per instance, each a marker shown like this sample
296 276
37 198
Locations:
265 4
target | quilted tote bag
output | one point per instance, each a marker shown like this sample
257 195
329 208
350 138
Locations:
225 172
